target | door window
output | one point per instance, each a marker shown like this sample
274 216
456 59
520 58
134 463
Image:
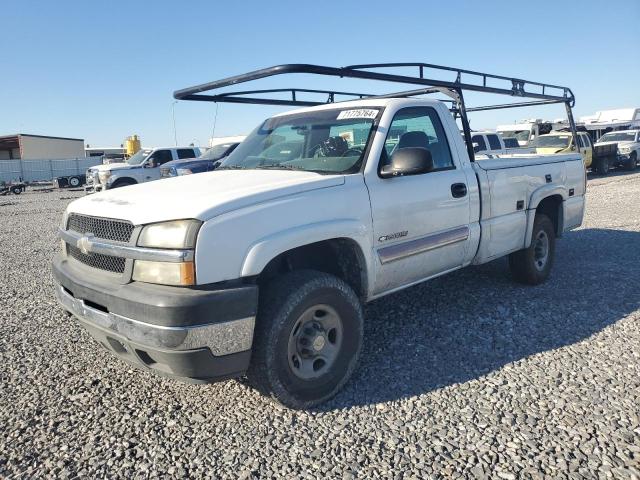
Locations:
494 142
186 153
479 139
585 141
160 156
418 127
580 143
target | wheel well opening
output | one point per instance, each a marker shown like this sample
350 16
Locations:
552 208
341 257
127 180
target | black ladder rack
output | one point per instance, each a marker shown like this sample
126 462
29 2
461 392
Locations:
544 94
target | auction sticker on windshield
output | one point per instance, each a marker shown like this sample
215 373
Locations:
359 113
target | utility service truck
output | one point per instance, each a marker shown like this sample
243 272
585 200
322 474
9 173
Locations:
143 166
261 267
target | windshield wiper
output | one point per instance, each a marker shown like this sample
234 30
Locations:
277 166
231 167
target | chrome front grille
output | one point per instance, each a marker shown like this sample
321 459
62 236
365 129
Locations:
92 177
105 228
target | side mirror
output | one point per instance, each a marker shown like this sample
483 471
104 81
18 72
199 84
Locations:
476 147
408 161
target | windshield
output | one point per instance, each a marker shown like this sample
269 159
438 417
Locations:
217 152
520 135
325 141
138 158
553 141
618 137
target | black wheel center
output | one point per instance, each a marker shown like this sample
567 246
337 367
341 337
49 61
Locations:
312 340
315 341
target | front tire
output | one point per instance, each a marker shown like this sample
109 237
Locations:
307 340
602 166
125 182
632 162
532 265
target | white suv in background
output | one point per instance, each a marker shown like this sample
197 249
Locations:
142 167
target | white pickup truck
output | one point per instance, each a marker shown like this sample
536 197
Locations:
492 143
628 147
262 266
143 166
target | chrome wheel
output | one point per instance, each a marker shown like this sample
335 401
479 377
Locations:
314 342
541 250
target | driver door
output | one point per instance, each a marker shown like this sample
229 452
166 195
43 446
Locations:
155 160
420 222
586 149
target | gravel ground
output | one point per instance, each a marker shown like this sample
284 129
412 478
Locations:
467 376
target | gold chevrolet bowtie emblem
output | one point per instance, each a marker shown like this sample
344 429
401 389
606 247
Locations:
84 243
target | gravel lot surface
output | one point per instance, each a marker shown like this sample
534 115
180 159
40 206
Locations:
468 376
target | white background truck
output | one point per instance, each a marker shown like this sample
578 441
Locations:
526 131
262 266
628 147
492 143
143 166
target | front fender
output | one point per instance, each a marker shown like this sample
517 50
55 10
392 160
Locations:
267 248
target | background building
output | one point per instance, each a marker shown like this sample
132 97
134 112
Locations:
36 147
33 158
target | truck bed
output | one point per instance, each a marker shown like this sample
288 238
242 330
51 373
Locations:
499 162
509 190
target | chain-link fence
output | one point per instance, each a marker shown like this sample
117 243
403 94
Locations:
44 170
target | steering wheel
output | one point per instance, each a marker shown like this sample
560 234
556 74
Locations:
353 151
331 147
318 151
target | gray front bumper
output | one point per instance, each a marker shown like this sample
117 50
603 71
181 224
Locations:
220 338
199 334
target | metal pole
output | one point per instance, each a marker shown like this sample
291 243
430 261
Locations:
572 125
175 135
465 126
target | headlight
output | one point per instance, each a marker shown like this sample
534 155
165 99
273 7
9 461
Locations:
625 149
104 176
164 273
175 234
63 226
184 171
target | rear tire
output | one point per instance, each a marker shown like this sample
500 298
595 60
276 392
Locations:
16 190
632 163
532 265
307 339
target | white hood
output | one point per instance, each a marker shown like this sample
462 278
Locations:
114 166
201 196
620 144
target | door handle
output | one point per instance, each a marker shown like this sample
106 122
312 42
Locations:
458 190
